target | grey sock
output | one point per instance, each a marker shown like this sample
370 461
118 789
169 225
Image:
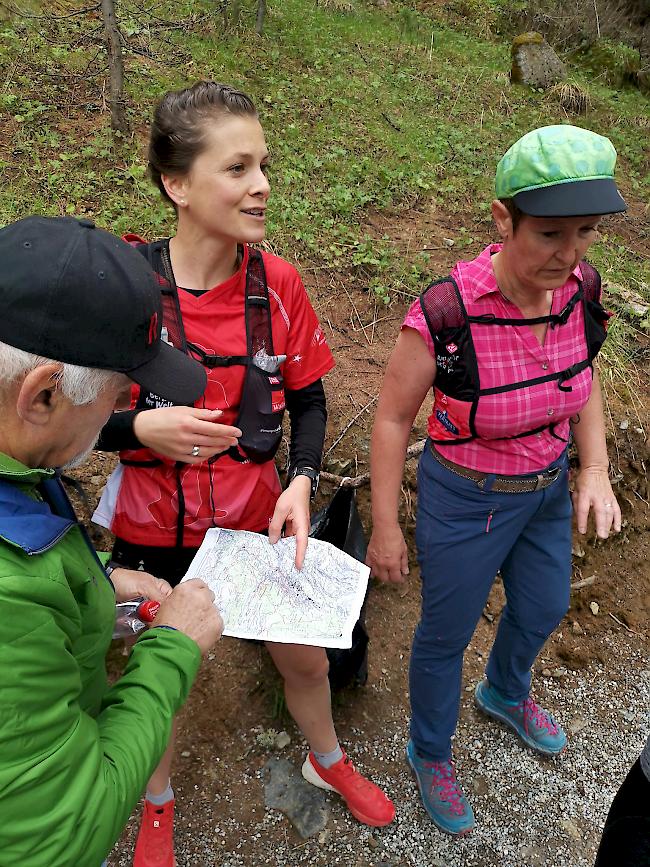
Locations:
326 760
159 800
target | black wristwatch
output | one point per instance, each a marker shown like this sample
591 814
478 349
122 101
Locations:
311 474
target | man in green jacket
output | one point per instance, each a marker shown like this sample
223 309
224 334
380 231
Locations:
80 318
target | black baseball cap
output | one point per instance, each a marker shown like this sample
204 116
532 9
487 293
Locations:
77 294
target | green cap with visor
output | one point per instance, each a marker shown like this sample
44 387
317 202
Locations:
560 171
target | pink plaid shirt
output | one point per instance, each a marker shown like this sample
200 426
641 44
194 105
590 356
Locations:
508 354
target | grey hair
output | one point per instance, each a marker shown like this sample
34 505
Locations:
80 385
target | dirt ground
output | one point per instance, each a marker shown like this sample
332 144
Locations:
237 693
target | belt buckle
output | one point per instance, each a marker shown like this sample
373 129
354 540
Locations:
544 480
554 474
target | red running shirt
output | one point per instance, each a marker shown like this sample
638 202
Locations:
140 504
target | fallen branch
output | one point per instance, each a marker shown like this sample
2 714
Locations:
354 307
584 583
390 122
620 623
345 481
359 481
349 425
358 47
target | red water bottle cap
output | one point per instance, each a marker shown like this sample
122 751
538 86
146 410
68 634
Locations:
147 610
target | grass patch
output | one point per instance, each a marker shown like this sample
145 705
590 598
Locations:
364 110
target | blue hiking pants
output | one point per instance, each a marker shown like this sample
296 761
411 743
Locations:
464 536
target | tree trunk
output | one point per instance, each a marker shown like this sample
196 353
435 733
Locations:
644 58
115 67
261 15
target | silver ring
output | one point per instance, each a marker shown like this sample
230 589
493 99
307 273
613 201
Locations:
607 505
195 451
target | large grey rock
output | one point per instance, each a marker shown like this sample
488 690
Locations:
534 62
303 804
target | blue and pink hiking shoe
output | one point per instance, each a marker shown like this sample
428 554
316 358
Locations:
442 797
535 726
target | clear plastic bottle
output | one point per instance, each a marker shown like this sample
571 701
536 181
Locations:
133 616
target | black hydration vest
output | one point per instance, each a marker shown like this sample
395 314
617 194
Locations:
261 408
457 375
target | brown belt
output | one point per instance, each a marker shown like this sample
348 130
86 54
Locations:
501 484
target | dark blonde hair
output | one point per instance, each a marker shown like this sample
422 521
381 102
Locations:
179 126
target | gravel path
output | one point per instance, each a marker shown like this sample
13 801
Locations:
529 810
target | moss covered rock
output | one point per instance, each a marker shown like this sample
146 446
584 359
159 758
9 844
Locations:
534 62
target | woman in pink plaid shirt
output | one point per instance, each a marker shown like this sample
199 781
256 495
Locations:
508 341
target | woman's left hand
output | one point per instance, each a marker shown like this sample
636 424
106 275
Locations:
131 584
593 490
292 513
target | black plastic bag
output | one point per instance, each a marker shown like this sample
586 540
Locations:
340 525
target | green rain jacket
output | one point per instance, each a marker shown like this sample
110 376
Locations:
75 755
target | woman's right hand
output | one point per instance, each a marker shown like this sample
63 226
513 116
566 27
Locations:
411 371
388 555
174 431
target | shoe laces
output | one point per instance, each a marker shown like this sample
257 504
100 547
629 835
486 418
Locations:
353 777
158 818
444 778
533 713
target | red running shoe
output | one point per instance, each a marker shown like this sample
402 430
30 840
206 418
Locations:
365 800
155 844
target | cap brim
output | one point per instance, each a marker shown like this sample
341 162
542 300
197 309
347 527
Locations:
572 199
172 375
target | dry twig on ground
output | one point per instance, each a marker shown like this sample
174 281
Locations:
413 451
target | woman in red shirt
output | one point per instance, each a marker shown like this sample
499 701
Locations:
508 342
182 470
